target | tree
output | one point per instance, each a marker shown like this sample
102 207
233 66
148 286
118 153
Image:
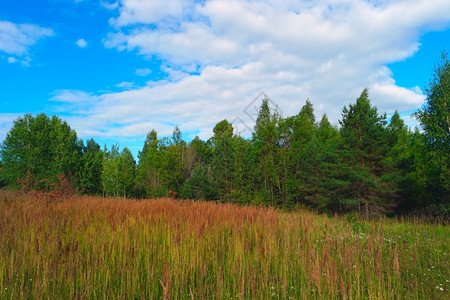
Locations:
318 156
91 170
265 141
198 182
38 150
2 182
173 162
434 118
223 159
243 165
127 166
303 153
149 181
111 172
364 148
118 172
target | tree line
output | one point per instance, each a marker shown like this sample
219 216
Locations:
367 165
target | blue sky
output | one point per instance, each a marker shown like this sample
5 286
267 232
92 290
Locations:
118 69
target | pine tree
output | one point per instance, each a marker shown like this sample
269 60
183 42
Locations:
173 162
364 148
304 148
223 159
242 170
265 141
323 153
148 171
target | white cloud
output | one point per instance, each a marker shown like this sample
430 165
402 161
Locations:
125 85
220 54
143 72
12 60
73 96
81 43
16 39
147 12
109 5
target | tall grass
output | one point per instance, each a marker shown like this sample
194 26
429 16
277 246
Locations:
89 247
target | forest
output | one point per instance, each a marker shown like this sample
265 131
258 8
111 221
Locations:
368 164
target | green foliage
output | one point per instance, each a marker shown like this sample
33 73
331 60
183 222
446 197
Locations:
118 172
434 118
222 166
91 170
265 141
366 166
362 156
127 166
37 150
149 178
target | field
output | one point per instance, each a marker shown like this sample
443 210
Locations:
89 248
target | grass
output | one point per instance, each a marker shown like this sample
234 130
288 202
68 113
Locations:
99 248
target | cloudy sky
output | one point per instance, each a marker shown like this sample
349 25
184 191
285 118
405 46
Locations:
117 69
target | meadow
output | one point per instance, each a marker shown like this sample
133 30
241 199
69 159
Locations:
113 248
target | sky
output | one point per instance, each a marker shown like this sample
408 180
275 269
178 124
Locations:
115 70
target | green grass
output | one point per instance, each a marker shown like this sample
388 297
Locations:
100 248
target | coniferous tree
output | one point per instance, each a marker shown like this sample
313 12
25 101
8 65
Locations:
304 150
364 148
323 147
265 141
243 170
288 187
223 159
173 162
148 171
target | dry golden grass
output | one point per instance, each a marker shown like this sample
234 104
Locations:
87 247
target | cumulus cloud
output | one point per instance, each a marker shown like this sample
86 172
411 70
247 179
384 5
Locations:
147 12
73 101
220 54
81 43
16 39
